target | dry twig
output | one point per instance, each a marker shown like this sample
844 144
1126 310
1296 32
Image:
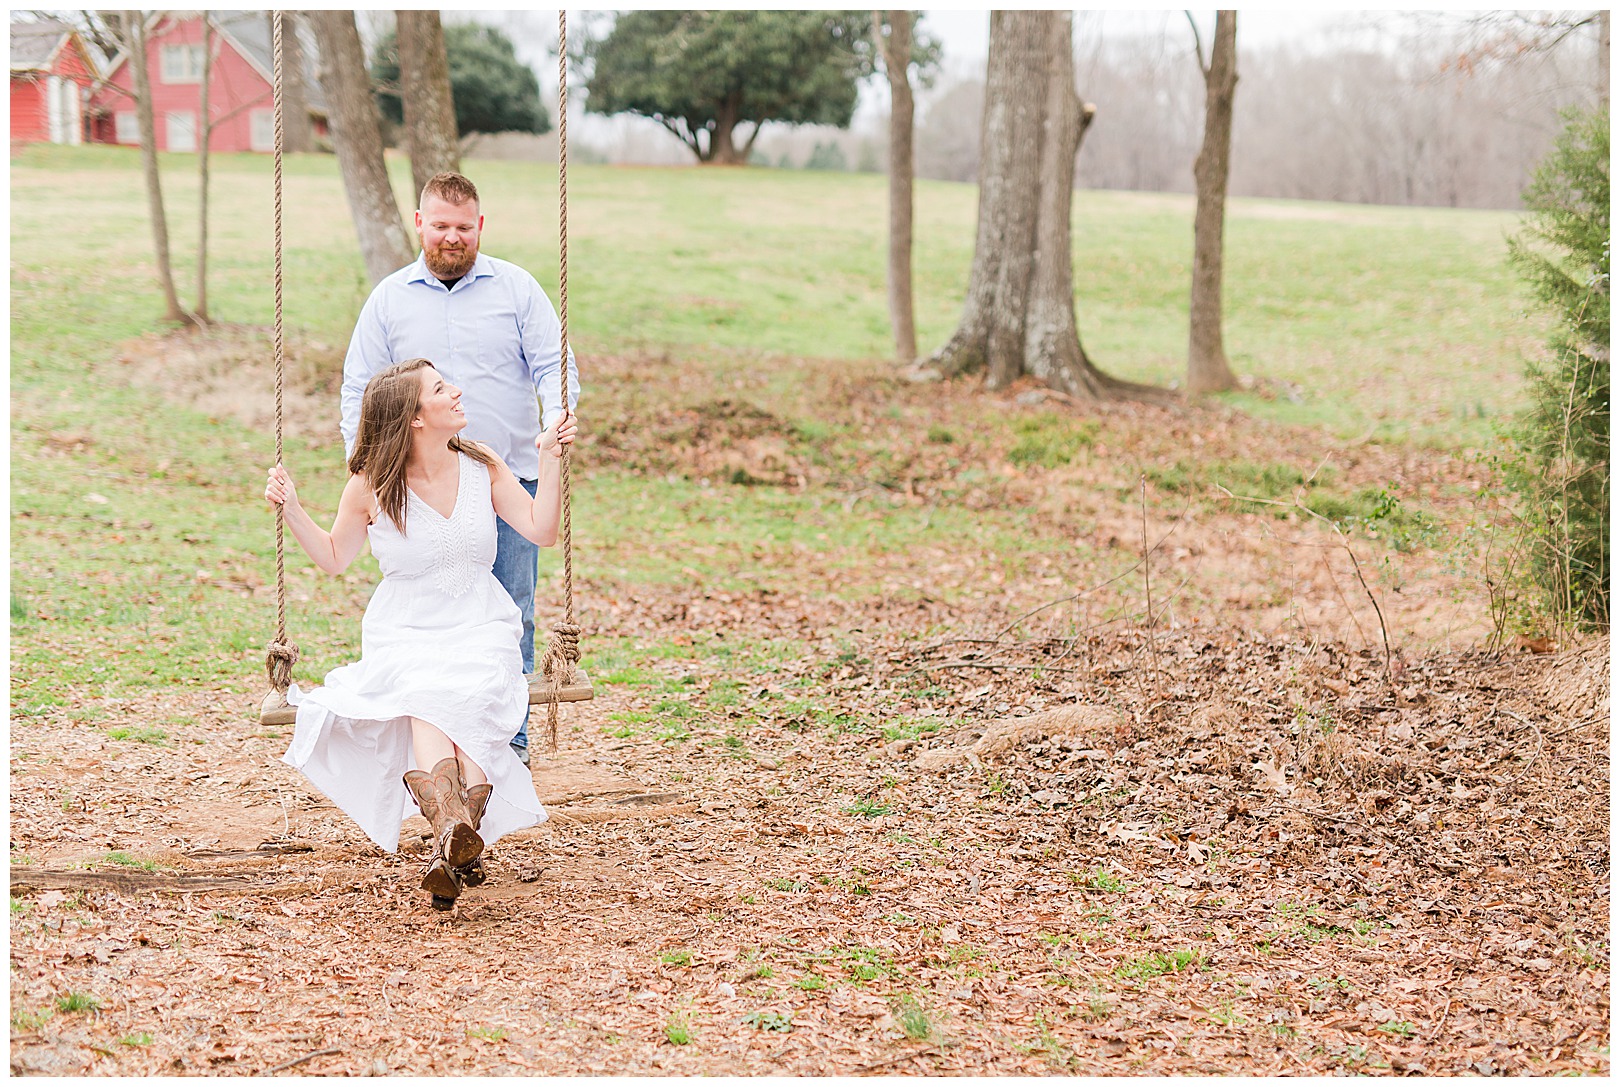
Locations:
1344 541
282 1067
930 1051
1147 577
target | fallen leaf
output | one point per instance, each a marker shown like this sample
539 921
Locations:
1274 776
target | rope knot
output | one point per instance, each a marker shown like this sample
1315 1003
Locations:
558 666
563 652
279 660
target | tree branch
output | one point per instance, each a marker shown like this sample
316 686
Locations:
1198 44
1344 541
679 130
1147 554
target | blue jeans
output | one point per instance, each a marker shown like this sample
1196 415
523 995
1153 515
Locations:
515 563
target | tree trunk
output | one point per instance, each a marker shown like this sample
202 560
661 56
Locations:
1603 57
357 137
297 135
896 49
424 90
1051 339
205 129
1024 75
1207 367
1008 130
149 166
722 148
1018 317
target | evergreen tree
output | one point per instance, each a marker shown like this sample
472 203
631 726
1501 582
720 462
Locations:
1562 470
493 90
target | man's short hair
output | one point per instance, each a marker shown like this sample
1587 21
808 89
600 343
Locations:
452 188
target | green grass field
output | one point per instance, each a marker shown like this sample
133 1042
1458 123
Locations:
1405 322
138 536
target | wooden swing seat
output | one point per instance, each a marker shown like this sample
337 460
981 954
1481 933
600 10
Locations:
275 710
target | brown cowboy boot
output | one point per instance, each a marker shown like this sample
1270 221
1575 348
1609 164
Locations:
477 800
439 881
438 793
459 843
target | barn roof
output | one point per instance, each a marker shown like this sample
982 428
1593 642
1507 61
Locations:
35 45
249 32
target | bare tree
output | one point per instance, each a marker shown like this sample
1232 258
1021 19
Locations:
1512 36
424 91
357 137
895 48
1153 119
1603 56
1208 369
108 31
205 130
1386 108
1509 35
297 134
1018 317
136 23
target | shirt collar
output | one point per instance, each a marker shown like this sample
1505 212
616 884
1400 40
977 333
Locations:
482 266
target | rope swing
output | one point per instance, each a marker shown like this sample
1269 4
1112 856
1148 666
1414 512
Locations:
281 654
564 682
559 678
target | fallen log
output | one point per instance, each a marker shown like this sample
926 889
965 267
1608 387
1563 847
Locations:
75 879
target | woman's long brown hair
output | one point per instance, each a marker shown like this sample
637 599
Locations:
382 449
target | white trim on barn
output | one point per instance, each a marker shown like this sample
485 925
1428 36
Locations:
63 111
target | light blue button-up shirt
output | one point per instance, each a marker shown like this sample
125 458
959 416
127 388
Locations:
495 335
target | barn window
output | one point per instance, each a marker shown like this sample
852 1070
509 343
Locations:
262 134
182 130
126 129
182 63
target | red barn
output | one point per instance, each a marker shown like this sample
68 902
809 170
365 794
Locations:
52 74
240 103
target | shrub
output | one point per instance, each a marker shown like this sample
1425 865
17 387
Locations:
1560 465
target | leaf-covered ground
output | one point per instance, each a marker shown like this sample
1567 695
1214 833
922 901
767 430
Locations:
869 811
1190 875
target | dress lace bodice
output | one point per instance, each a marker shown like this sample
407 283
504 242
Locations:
453 551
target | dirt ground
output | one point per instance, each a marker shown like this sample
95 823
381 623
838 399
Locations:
1254 846
1126 884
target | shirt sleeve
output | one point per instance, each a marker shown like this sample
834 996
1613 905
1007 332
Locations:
541 334
368 354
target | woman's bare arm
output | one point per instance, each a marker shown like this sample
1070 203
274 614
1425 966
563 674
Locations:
535 519
331 551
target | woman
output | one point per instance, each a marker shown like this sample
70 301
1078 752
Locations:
439 687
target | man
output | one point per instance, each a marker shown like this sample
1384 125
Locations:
486 326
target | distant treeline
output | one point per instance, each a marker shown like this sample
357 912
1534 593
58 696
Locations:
1445 112
1426 123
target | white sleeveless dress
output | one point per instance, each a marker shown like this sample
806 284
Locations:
439 641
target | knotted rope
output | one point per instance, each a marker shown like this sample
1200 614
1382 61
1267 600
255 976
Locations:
562 654
282 654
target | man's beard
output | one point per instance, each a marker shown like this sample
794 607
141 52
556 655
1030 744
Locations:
450 265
